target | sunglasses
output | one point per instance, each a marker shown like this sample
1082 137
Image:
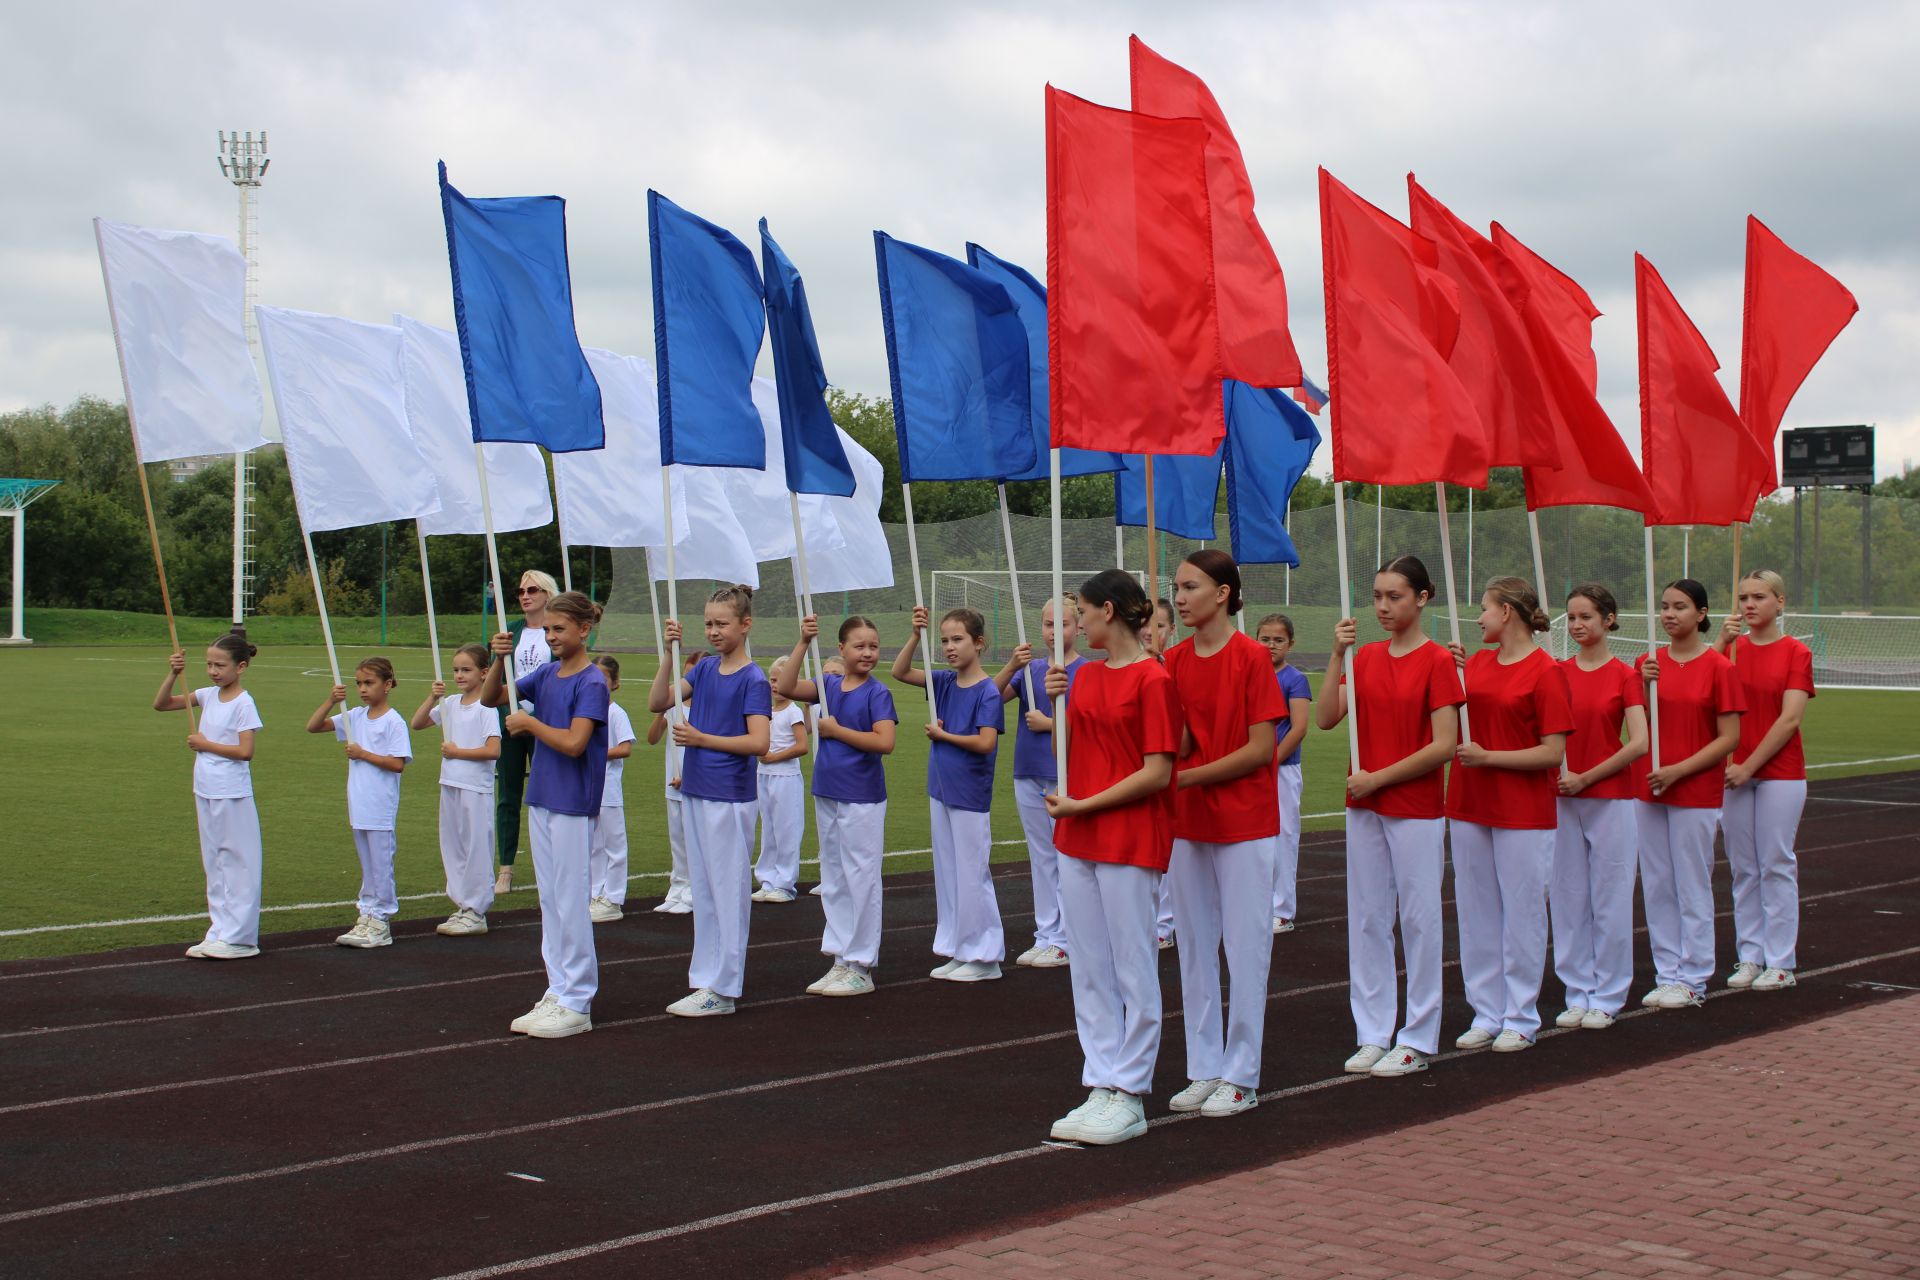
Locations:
533 591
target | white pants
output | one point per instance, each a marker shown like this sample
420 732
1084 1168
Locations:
1500 900
967 915
719 842
852 837
1394 863
1676 885
679 887
377 894
1043 860
1286 870
1590 901
1163 908
783 820
1222 893
607 855
466 846
1760 821
230 854
1108 911
562 844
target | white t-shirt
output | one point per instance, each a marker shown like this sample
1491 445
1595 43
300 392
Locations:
373 793
468 725
674 715
619 730
781 726
531 653
216 777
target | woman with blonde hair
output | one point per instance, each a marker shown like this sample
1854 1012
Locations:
530 652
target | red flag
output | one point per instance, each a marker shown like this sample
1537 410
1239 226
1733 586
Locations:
1493 357
1702 463
1255 347
1595 467
1793 312
1133 339
1400 415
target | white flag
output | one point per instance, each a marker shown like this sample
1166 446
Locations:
760 497
611 497
716 545
337 389
178 304
436 387
864 561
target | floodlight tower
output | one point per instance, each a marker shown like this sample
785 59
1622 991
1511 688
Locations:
243 162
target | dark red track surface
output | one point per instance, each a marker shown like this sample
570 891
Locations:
332 1111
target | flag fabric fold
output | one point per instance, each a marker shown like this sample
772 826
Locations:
1400 413
761 498
1186 493
864 560
1793 311
715 546
1270 442
957 356
708 320
810 444
341 400
1133 329
1703 465
610 498
1255 347
178 304
527 378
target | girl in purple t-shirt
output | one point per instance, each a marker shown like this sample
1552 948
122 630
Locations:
856 727
727 729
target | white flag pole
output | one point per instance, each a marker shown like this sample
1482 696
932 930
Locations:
1446 556
1153 562
919 601
426 585
1653 693
493 567
1286 518
653 599
1013 580
673 589
1059 629
1346 611
566 567
1539 561
1470 578
1119 543
803 598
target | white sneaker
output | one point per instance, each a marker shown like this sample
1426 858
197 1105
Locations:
1511 1042
556 1022
944 970
675 907
1048 957
826 979
1190 1098
1400 1061
463 923
367 931
767 893
1652 999
817 891
604 910
1571 1016
520 1024
1281 924
1743 975
1229 1100
1120 1117
704 1003
1474 1038
975 971
1596 1020
217 950
198 951
1363 1059
1067 1127
1680 997
1775 979
851 982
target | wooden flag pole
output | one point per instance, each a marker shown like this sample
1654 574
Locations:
919 600
1060 631
1446 557
493 567
1013 580
1346 611
1653 694
803 597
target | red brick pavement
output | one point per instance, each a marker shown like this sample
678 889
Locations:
1794 1154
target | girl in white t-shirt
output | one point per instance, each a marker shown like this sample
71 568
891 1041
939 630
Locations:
783 799
223 797
607 848
377 750
679 898
469 746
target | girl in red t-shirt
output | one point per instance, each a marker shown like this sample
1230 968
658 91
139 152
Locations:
1114 821
1696 709
1407 704
1766 785
1501 816
1590 898
1226 834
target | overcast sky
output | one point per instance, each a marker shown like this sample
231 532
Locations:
1590 131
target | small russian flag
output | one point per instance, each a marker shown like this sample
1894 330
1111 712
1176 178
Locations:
1310 397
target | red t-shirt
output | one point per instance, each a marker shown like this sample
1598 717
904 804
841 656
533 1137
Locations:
1511 707
1116 718
1600 701
1766 672
1693 695
1222 697
1396 700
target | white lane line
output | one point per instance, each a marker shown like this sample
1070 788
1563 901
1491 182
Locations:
1847 764
1892 804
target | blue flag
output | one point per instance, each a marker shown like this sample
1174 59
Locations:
1186 489
1030 299
816 461
707 324
1270 441
527 379
957 351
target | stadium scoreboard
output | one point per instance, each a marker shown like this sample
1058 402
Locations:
1827 457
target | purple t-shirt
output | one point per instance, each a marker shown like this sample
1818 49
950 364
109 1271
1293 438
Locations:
720 706
956 777
563 783
1292 685
1033 751
844 772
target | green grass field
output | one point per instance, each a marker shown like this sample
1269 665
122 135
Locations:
99 803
